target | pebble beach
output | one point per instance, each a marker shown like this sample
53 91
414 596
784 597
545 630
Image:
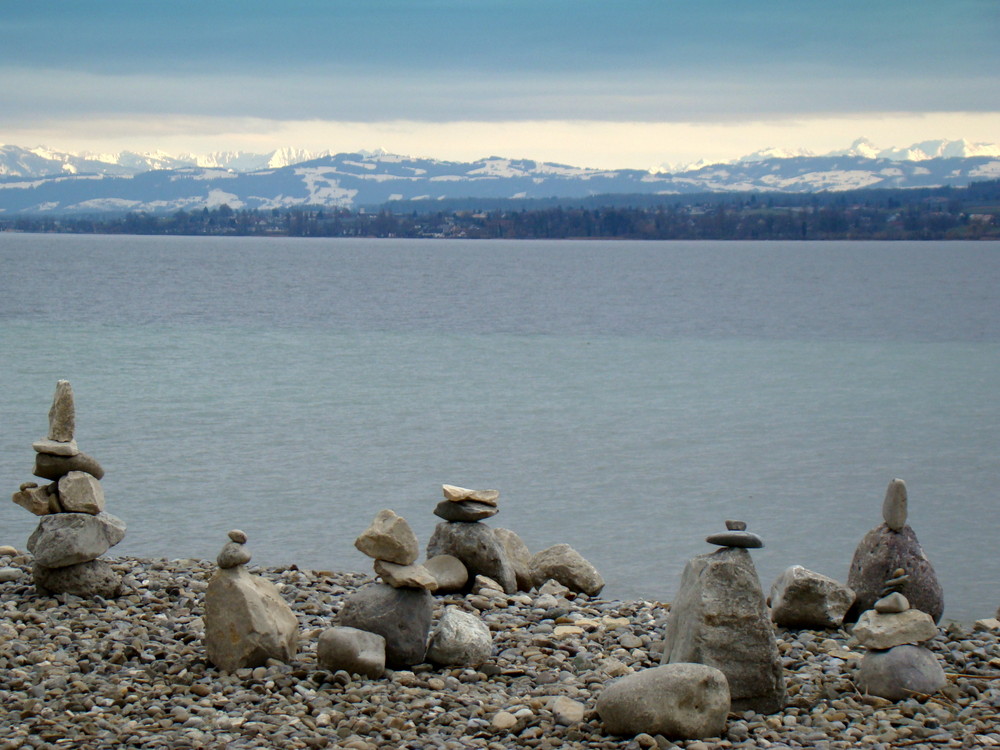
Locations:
132 672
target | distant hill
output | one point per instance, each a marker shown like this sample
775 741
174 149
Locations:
39 182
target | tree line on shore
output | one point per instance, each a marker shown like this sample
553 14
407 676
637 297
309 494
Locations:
945 213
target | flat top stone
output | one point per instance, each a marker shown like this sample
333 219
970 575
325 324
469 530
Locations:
56 447
458 494
744 539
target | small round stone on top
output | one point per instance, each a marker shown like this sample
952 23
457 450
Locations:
736 525
240 537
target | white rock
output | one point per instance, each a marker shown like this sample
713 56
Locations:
80 492
882 631
458 494
460 639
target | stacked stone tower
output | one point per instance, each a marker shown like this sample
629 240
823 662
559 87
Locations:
74 530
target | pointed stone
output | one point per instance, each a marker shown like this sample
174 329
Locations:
62 413
458 494
894 505
389 538
519 556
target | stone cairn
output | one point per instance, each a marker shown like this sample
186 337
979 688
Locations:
74 530
719 618
896 665
887 547
399 609
246 620
462 535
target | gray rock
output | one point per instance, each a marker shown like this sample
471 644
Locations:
52 467
460 639
882 631
736 525
458 494
477 547
567 711
900 673
62 413
891 604
449 572
63 539
719 618
352 650
39 500
894 505
519 556
80 492
406 576
246 621
238 536
678 701
879 554
401 616
744 539
389 538
233 554
564 564
801 598
56 447
465 510
91 578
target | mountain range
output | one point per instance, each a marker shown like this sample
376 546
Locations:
42 181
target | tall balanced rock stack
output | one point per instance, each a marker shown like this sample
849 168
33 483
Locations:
462 535
889 546
399 609
897 666
74 529
719 618
246 620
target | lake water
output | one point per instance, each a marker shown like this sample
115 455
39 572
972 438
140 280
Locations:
625 398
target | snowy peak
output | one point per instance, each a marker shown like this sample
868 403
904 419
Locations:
940 149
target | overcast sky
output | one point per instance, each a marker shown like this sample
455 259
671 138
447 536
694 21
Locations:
606 83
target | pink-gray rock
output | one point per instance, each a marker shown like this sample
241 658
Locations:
519 556
39 500
460 639
406 576
63 539
477 547
564 564
52 467
62 413
91 578
801 598
880 553
894 508
882 631
719 618
352 650
80 492
246 621
389 538
900 673
401 616
449 572
677 701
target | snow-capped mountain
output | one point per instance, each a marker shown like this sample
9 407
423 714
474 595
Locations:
376 178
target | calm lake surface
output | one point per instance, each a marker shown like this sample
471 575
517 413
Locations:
625 398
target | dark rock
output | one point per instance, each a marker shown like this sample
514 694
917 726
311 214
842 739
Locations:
464 510
401 616
52 467
744 539
91 578
880 554
478 548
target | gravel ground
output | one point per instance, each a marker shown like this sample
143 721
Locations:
89 673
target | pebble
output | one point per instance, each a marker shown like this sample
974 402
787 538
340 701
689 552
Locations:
131 672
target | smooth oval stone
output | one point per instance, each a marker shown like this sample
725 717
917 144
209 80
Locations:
464 510
891 604
744 539
233 554
238 536
894 505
